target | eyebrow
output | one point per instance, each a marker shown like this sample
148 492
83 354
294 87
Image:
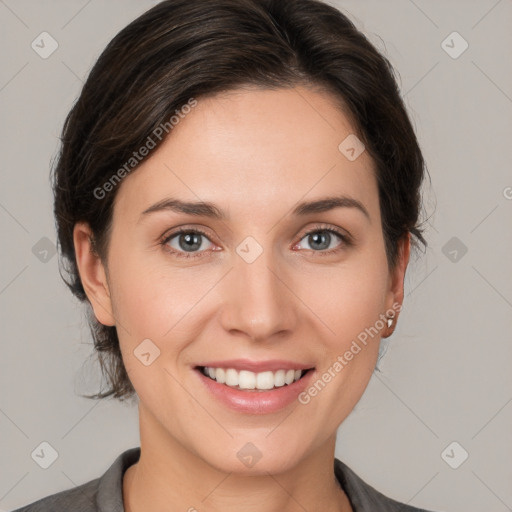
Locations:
206 209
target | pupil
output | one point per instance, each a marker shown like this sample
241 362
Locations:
191 241
317 237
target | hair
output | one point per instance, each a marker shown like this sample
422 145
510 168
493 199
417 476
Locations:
183 49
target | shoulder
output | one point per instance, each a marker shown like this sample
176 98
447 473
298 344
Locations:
363 496
78 499
99 495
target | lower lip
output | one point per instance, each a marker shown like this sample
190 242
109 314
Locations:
254 401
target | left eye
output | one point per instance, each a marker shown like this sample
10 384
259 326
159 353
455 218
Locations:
187 241
320 239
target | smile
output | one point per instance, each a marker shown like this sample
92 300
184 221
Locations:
247 380
254 387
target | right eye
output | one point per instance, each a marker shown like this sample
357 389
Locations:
189 243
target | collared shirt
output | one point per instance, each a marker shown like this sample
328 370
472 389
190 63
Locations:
105 494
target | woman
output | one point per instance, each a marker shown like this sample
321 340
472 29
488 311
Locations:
236 198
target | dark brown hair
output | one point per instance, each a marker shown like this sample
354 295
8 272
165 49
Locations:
183 49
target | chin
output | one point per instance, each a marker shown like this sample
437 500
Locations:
255 463
253 455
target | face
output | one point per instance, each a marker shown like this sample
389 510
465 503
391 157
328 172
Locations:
261 293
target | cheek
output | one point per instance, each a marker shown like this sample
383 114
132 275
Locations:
356 317
350 303
156 302
351 298
148 297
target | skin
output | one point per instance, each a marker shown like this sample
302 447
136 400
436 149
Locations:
254 153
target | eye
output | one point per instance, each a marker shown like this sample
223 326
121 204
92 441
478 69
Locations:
321 239
190 243
185 243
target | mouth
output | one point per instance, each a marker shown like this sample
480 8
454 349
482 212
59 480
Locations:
254 387
245 380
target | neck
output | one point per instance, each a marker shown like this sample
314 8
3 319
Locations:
170 477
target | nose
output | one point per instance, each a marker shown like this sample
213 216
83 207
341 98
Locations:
259 303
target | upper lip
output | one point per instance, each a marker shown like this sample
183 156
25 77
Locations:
257 366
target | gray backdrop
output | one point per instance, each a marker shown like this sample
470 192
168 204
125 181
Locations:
444 392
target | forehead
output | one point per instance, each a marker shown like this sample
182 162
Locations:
251 148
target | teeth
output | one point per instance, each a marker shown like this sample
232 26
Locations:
249 380
265 380
279 378
219 375
232 377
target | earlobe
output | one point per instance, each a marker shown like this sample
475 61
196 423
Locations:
92 274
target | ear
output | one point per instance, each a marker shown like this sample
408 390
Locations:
93 274
396 291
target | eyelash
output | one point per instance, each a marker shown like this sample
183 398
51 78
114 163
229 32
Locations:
345 239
